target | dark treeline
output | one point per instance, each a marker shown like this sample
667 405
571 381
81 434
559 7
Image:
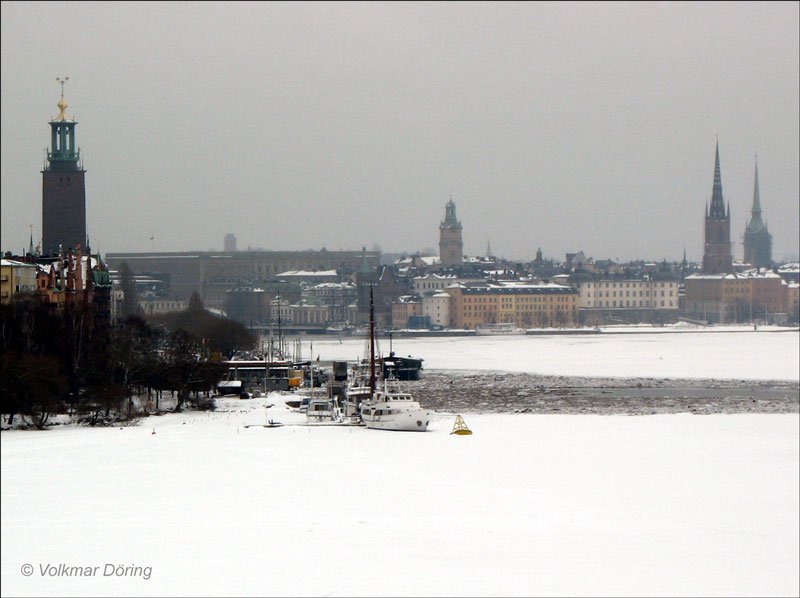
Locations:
65 360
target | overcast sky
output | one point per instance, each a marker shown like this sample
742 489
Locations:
300 126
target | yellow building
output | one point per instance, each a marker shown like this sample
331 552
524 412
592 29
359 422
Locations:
403 309
525 305
16 277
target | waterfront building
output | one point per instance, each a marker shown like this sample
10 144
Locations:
305 314
404 309
433 282
525 305
436 307
736 297
338 297
627 300
626 294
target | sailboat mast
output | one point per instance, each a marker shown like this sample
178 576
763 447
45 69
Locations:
371 345
280 333
311 368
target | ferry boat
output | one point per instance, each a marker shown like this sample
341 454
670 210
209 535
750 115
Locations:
402 368
247 374
498 329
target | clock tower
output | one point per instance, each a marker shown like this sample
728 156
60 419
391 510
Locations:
451 247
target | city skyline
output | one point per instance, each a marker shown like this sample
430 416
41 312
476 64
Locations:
302 126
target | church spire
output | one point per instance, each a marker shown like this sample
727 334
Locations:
756 211
757 240
717 211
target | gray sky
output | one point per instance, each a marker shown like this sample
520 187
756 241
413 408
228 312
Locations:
296 126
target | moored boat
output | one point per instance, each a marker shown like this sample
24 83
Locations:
389 408
393 409
502 328
402 368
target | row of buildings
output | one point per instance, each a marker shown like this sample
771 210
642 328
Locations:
325 288
70 279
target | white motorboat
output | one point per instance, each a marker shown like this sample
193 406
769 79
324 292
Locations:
393 409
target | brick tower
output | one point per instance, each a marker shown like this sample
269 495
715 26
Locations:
451 247
63 187
717 257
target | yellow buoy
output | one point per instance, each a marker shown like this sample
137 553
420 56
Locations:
460 427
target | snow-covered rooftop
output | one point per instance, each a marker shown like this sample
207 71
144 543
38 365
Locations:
16 264
736 275
309 273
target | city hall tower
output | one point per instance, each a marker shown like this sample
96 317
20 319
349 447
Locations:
63 187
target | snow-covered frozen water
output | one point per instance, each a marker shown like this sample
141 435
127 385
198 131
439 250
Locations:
527 505
742 354
568 505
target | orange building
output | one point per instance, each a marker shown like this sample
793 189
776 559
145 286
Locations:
525 305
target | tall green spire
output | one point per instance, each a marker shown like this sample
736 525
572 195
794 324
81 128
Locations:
756 223
756 196
757 240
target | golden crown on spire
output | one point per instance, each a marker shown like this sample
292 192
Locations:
62 104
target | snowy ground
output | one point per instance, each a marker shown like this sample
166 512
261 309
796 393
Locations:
547 505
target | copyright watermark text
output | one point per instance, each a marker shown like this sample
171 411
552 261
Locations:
104 570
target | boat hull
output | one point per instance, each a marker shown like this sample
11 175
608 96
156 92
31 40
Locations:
401 368
408 421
